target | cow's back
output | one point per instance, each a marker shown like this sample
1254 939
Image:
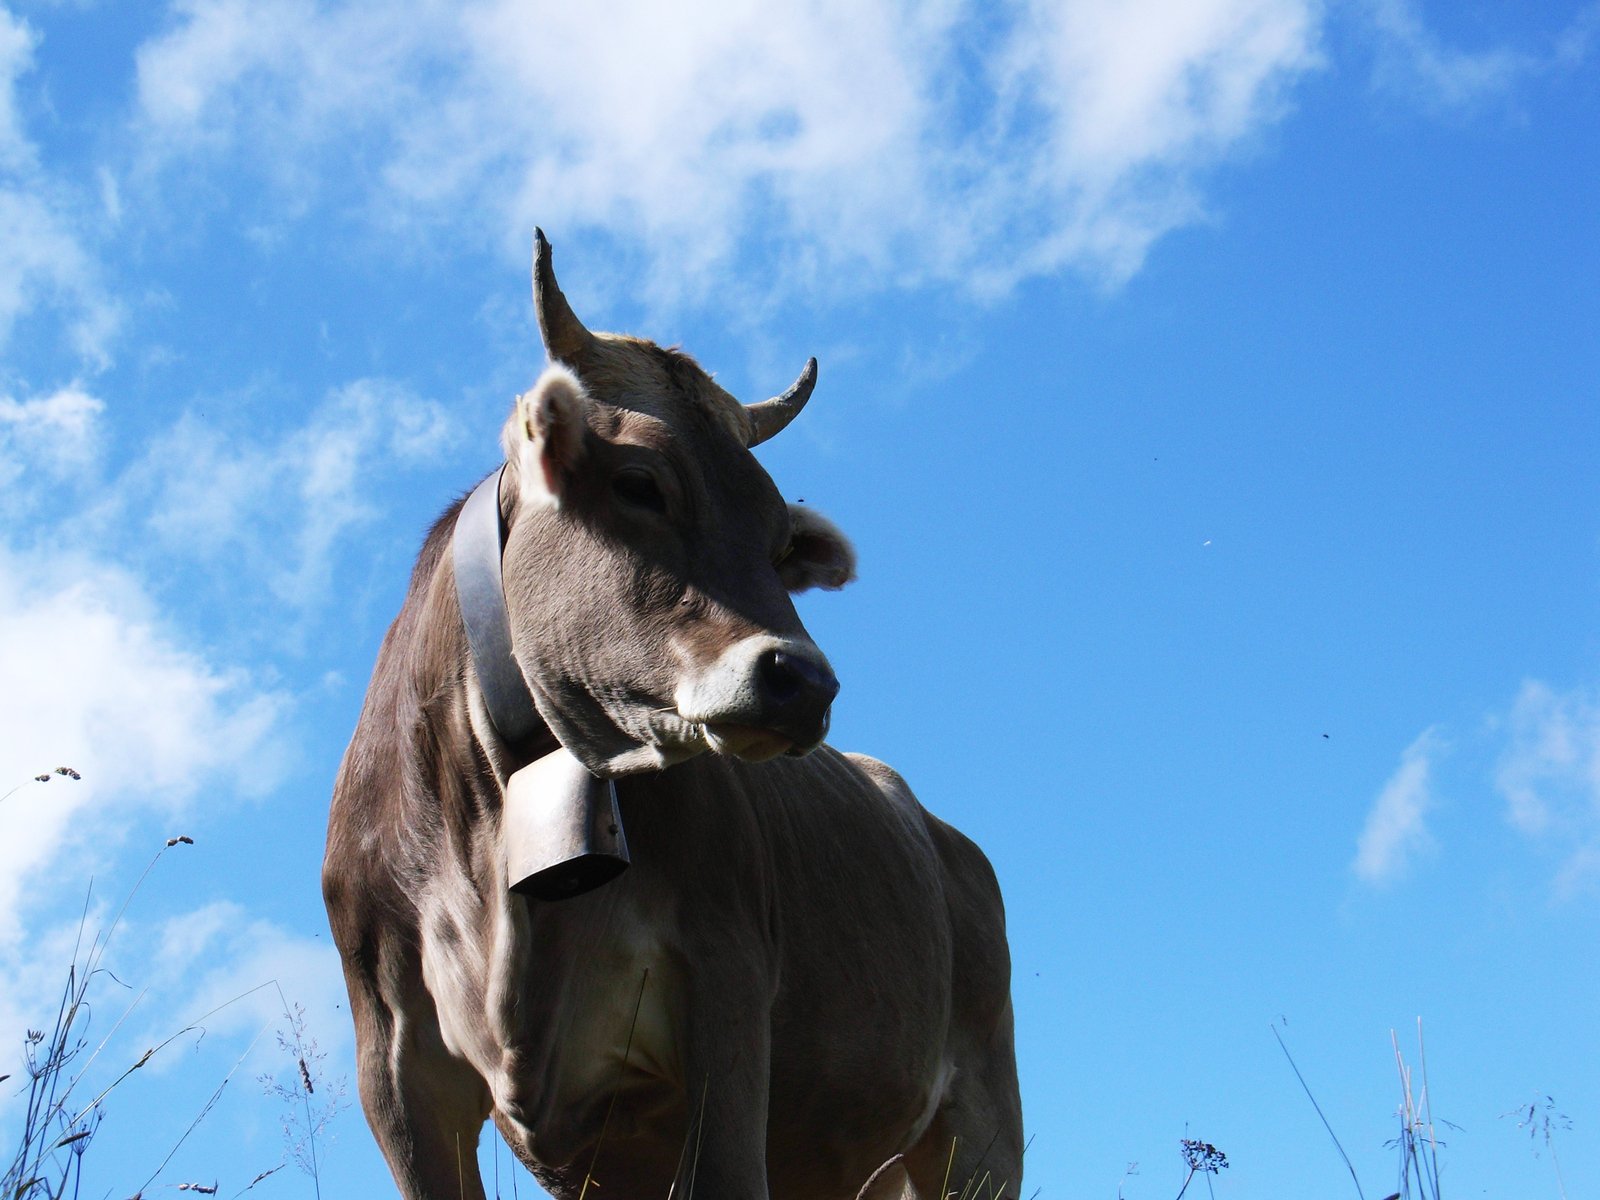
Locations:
398 802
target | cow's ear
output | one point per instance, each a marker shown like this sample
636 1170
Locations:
818 555
544 436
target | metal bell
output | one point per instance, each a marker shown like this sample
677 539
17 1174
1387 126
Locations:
561 828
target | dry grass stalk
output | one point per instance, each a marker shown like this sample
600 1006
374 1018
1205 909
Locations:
56 1132
304 1119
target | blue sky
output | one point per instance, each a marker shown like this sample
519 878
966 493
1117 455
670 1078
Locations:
1212 391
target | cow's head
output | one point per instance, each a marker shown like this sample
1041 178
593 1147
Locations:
649 558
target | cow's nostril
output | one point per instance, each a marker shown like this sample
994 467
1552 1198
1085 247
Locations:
778 680
787 678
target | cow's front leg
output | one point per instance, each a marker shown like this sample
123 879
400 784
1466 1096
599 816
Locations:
426 1106
727 1068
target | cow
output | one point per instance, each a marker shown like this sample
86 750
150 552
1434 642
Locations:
801 986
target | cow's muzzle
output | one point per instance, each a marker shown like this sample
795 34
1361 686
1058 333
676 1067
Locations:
763 697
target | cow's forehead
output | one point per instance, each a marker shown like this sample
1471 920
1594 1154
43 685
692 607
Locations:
699 444
638 375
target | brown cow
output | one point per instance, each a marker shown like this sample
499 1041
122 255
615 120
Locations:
803 975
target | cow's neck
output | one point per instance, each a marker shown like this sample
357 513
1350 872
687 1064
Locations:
528 717
477 544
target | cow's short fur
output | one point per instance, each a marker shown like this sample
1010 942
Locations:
803 974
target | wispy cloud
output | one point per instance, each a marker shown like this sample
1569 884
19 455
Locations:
96 681
16 56
886 140
1414 62
816 144
53 435
283 505
1133 102
44 262
99 675
1549 775
1546 748
211 955
1396 828
218 967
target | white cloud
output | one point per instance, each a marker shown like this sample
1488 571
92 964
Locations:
94 680
55 435
43 262
216 959
62 421
1576 42
1135 98
1549 775
869 142
1413 61
16 56
215 975
283 507
1396 827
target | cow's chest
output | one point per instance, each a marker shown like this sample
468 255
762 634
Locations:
560 1008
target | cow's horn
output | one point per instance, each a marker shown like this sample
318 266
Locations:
770 416
565 338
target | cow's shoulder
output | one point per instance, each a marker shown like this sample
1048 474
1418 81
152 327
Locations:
972 899
889 781
957 851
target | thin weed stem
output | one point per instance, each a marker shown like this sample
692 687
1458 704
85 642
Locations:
55 1073
1417 1143
1543 1117
1427 1104
622 1071
211 1103
944 1188
1305 1088
191 1027
303 1119
699 1132
41 777
969 1192
866 1188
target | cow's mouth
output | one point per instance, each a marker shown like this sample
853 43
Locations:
747 741
676 738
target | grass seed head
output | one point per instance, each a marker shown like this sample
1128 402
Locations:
1203 1156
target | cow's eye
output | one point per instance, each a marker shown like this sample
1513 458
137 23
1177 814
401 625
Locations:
636 486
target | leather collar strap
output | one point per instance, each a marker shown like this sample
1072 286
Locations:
476 548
